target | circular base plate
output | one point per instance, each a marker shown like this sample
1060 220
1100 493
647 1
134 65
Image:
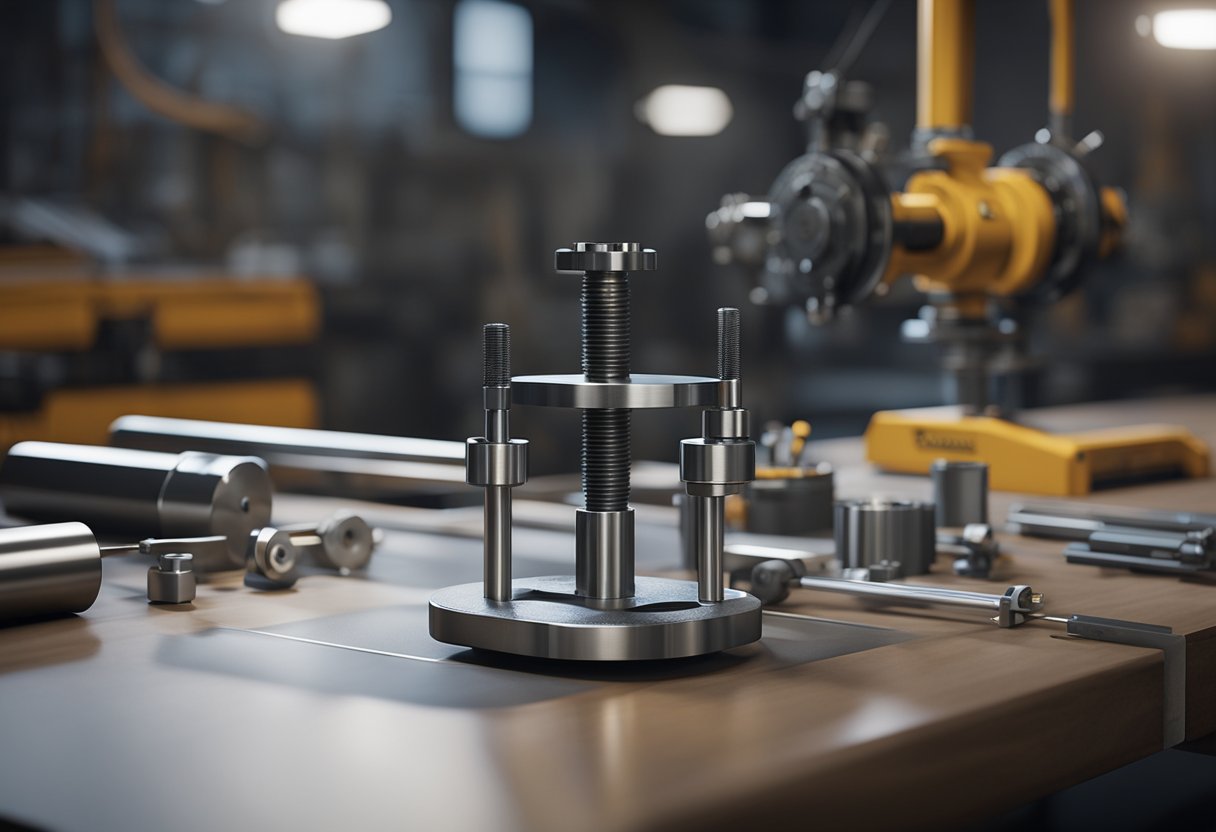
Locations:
546 619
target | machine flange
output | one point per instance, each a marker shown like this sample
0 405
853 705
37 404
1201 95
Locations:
546 619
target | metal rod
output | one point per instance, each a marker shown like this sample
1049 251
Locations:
497 536
496 386
164 434
708 517
901 592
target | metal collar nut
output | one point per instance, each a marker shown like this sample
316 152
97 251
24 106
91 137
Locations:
171 580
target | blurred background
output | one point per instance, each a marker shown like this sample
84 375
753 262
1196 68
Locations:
210 210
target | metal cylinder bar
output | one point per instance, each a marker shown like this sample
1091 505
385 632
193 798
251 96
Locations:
707 524
496 383
139 492
1063 67
47 570
271 443
918 594
497 536
960 492
945 64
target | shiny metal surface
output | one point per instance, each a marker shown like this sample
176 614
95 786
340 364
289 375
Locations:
171 580
708 521
271 559
273 443
870 532
51 569
640 391
603 564
342 541
772 580
717 461
496 464
547 619
605 257
139 492
960 492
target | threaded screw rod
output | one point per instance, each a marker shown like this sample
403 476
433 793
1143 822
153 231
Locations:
606 448
729 364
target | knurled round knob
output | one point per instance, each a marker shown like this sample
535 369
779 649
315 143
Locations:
606 257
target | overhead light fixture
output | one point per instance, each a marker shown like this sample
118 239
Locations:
332 19
1181 28
678 110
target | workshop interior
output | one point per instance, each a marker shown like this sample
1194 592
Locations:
571 414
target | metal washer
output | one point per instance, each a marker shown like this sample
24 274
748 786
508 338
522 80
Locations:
545 619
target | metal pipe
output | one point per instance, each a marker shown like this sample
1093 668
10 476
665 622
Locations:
707 524
945 65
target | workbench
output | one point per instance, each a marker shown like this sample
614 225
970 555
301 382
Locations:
329 707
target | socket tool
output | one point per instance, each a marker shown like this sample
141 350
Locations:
773 580
604 612
960 493
893 537
116 490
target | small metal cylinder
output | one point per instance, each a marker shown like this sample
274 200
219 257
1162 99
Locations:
141 493
960 492
870 532
48 570
707 522
604 554
791 506
171 580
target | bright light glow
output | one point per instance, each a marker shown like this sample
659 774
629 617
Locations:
1186 28
492 59
332 19
676 110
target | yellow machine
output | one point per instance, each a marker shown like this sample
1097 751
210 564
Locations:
977 238
75 324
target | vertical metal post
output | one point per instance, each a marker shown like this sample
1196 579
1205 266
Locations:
496 388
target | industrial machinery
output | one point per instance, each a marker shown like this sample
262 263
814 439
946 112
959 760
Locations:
983 240
604 612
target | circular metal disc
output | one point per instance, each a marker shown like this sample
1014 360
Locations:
643 390
663 620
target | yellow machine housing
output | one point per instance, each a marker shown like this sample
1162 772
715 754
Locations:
63 315
998 232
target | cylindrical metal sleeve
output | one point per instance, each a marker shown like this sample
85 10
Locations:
960 492
109 488
48 570
141 493
872 531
